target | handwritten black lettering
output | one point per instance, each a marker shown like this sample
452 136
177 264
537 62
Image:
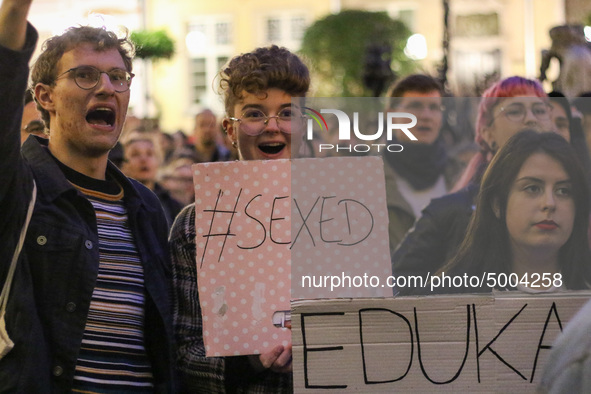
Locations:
490 349
325 220
304 222
227 233
276 219
465 354
256 220
307 350
540 345
411 342
347 200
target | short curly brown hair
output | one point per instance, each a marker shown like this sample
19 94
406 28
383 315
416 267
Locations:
45 68
262 69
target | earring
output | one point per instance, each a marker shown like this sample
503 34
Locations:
234 144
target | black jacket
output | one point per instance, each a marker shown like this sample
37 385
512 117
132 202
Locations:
436 236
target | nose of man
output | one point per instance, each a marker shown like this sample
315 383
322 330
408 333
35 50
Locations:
105 86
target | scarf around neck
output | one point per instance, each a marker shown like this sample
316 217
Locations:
419 164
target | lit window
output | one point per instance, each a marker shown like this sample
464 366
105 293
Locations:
222 33
273 29
298 27
198 78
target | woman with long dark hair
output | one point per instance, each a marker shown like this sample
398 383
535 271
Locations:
531 220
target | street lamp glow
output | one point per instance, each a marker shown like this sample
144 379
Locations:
416 47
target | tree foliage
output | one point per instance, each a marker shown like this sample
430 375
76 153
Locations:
337 45
152 44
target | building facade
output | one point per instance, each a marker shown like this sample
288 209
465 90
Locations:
488 39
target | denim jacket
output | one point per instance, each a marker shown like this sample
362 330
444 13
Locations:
57 270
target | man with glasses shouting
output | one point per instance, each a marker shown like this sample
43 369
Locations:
89 309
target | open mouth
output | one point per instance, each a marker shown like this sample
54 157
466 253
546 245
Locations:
101 116
272 148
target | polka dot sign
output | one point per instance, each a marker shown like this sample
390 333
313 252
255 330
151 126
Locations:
253 217
340 245
243 227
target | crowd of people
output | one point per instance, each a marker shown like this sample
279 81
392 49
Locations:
104 294
163 161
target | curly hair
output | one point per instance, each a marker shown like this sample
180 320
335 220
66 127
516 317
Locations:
45 68
262 69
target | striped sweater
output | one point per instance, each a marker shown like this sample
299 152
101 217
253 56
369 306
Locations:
112 357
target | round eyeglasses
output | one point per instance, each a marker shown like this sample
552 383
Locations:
87 77
517 112
253 121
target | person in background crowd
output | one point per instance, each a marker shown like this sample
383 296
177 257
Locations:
75 328
177 179
561 114
532 216
258 88
142 158
206 141
227 143
423 170
132 123
166 142
31 122
508 107
582 104
570 128
182 147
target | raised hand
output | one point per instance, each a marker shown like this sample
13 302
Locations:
13 19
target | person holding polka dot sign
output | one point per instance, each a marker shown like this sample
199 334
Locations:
258 88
